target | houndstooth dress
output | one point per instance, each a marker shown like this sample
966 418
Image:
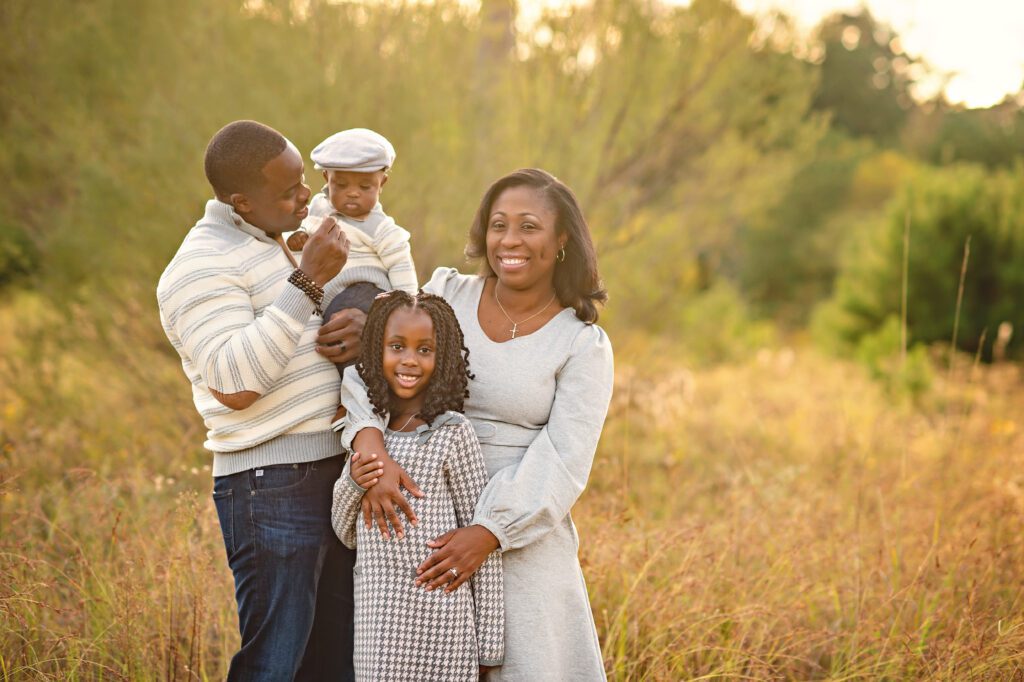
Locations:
403 632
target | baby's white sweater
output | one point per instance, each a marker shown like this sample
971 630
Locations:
379 250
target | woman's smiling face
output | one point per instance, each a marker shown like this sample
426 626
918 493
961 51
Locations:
522 238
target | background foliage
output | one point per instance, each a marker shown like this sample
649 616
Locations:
811 488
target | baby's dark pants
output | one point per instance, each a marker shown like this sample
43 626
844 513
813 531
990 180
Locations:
360 296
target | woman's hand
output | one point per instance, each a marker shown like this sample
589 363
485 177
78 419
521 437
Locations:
365 470
462 549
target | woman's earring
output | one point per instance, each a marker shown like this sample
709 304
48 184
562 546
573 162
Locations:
561 255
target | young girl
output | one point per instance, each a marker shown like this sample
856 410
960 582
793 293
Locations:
415 367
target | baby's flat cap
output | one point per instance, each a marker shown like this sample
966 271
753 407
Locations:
357 149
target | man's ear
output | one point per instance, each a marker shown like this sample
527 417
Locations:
240 203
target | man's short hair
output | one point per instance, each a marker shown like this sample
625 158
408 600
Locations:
237 154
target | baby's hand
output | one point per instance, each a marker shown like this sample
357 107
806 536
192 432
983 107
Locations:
297 240
365 474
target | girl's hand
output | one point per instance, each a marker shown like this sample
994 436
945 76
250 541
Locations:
366 470
379 502
462 549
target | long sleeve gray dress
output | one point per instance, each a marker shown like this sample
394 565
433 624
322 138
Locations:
403 632
537 404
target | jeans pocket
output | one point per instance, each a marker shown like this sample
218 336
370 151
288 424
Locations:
280 477
223 501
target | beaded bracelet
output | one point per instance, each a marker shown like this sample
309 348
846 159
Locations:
309 288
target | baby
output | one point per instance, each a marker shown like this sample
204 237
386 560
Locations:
355 167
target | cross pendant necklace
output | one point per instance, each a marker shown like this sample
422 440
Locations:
515 325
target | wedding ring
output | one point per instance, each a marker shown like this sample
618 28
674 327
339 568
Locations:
454 572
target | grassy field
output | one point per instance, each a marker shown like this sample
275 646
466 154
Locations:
779 518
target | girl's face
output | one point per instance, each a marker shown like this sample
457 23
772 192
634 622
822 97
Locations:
409 352
522 239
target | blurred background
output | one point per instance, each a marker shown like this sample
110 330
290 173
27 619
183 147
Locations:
810 218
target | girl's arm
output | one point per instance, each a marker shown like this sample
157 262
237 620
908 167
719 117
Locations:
467 477
364 433
348 492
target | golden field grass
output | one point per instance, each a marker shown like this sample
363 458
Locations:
778 518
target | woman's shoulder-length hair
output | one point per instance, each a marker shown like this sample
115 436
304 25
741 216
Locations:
577 281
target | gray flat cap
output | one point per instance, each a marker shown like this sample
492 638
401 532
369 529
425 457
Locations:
357 149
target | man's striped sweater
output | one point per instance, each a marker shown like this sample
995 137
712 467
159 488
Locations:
228 309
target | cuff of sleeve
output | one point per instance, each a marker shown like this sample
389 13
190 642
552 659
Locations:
351 429
294 303
353 485
497 531
350 483
494 663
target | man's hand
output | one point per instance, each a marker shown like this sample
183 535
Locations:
339 337
326 252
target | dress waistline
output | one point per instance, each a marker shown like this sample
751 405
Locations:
503 433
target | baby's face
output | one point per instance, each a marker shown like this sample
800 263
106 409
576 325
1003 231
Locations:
354 194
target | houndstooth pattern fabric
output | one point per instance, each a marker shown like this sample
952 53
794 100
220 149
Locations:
402 632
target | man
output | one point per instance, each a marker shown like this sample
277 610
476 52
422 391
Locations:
245 318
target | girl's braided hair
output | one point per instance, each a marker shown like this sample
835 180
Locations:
449 384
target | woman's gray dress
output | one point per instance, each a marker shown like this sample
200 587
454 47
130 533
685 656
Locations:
538 404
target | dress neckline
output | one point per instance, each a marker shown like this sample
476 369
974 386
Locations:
480 327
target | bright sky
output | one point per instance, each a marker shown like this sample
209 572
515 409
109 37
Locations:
977 44
980 43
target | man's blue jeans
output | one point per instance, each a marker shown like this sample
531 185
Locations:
293 578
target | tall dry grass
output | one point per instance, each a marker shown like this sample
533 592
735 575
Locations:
780 518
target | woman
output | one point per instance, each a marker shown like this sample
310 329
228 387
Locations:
543 380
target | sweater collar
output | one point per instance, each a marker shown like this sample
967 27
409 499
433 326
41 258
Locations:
225 214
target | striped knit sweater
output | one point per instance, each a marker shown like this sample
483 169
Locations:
228 309
378 248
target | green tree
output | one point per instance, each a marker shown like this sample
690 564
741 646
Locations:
865 77
946 207
993 136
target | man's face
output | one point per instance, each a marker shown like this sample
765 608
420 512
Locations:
354 194
279 204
